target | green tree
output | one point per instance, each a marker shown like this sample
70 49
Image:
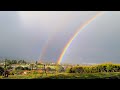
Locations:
79 70
59 68
36 62
14 61
1 70
19 68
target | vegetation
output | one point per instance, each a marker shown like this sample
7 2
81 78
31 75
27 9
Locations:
107 67
35 71
1 70
9 62
59 68
21 68
36 75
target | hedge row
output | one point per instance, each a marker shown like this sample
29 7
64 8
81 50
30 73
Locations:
94 68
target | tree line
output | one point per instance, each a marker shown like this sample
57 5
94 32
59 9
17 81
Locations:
108 67
8 62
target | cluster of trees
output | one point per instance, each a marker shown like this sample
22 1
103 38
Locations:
9 62
108 67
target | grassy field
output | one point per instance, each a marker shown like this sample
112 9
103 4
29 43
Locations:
113 75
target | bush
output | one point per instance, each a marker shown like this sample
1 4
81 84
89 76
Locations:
48 69
11 73
19 68
26 68
79 70
9 67
1 70
59 68
70 70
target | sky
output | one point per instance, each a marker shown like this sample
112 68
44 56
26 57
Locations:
42 35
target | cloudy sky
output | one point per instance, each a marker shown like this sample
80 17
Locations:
42 35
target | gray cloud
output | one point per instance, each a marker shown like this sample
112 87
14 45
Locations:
25 36
98 42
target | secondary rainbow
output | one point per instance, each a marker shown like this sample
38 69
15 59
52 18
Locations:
43 51
75 35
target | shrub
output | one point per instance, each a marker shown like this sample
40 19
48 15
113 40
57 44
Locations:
26 68
68 70
9 67
11 73
79 70
19 68
1 70
48 69
59 68
72 70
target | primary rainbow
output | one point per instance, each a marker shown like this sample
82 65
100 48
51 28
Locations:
75 35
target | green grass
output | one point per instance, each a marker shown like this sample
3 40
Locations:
113 75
